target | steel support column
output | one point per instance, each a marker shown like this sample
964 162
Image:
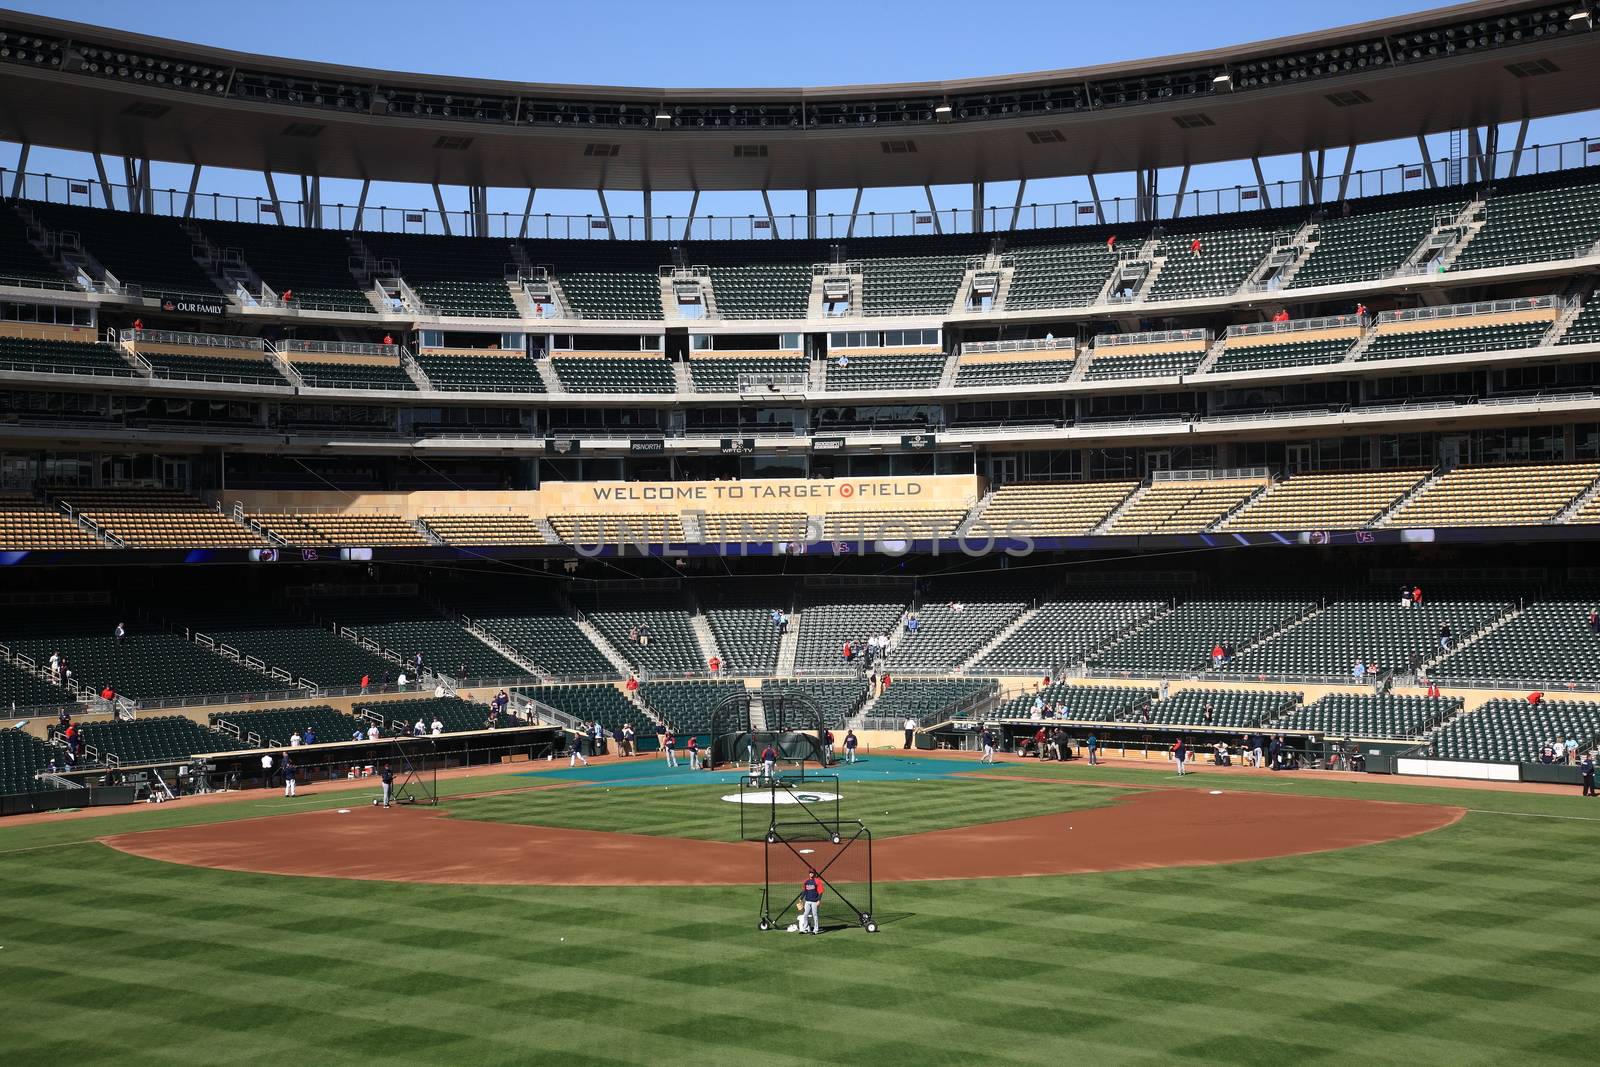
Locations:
855 209
194 183
1183 187
361 202
933 212
649 224
444 216
105 183
22 168
772 220
1516 153
1016 205
811 214
694 202
1344 175
272 193
1429 175
1094 193
1261 183
977 207
605 210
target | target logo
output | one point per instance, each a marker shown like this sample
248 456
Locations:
847 489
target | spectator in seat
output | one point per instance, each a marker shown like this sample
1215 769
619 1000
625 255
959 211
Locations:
715 664
419 728
1216 655
1594 621
632 685
1361 311
403 681
437 726
120 633
366 683
1111 243
1416 596
1433 690
1358 671
1571 749
1194 247
358 734
1405 597
1282 315
373 733
1446 639
294 739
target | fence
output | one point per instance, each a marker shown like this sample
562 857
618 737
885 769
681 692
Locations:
202 207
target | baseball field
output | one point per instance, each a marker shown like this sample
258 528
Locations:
605 916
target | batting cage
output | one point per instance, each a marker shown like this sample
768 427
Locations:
792 727
843 868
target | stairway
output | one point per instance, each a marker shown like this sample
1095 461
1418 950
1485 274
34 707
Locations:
547 375
1472 220
1262 639
1472 639
1577 503
788 645
1244 505
501 647
1363 343
1383 517
1558 328
682 381
604 647
283 365
947 376
1106 523
758 712
414 371
1214 353
994 642
975 513
703 633
694 526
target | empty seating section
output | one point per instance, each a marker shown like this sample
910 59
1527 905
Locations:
492 372
886 370
1084 703
608 279
1497 496
687 707
1447 339
1182 506
755 527
836 698
148 665
338 531
1585 329
762 290
21 757
1341 715
26 523
20 263
614 373
1231 708
605 704
652 630
661 528
157 518
913 284
491 529
927 700
41 356
1069 274
151 251
539 630
274 727
1514 731
162 738
1587 512
279 638
1182 640
455 714
829 619
407 626
1374 240
335 375
1063 632
741 621
1223 261
1310 350
1335 500
1547 645
21 688
1015 372
721 374
890 525
250 368
310 267
1153 360
949 631
457 276
1556 221
1373 628
1057 509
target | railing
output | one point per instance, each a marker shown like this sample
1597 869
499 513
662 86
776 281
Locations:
750 383
837 226
38 283
192 340
1328 322
1154 337
339 348
1485 307
1211 475
1045 344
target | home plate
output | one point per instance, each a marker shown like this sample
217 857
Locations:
1216 792
807 851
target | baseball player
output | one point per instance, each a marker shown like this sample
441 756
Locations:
692 750
810 897
575 754
850 743
669 742
987 740
388 784
769 759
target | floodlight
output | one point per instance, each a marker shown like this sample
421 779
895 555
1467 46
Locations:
942 113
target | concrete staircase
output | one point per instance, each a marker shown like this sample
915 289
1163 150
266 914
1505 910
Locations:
975 513
682 381
597 639
547 531
1472 639
1106 523
704 636
1242 506
1383 517
788 646
547 375
758 711
1363 343
994 642
1262 639
226 268
1558 328
947 377
1214 353
1281 263
1578 502
413 370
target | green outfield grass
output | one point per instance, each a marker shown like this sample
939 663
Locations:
889 808
1471 945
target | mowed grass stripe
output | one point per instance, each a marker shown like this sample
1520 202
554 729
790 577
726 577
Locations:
697 811
1451 947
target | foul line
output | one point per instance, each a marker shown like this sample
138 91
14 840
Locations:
1532 815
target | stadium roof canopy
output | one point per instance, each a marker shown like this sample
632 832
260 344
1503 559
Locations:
73 86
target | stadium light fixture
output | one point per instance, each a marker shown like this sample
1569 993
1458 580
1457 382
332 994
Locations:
1222 81
1580 17
942 113
663 120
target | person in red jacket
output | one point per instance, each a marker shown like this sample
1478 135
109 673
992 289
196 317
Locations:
1416 596
1111 243
1194 247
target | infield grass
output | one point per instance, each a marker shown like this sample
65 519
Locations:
1468 945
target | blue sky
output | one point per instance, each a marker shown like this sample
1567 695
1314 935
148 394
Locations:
722 43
